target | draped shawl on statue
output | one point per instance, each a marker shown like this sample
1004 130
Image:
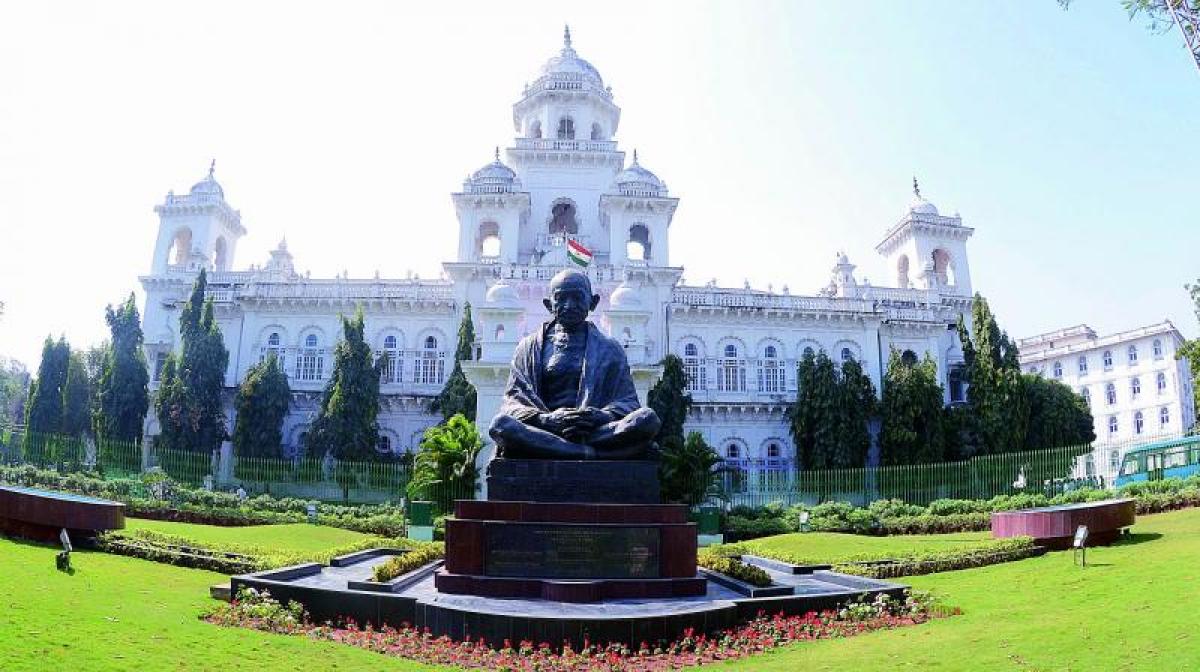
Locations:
604 383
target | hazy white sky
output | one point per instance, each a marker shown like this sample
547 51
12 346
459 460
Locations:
789 130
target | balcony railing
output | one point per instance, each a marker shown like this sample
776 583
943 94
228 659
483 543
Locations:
567 145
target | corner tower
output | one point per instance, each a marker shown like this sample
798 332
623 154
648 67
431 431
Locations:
199 230
927 250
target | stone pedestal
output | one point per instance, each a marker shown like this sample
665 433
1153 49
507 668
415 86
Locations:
571 531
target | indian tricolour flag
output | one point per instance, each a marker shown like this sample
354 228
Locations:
578 253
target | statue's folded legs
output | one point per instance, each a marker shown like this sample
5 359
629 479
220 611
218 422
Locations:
627 438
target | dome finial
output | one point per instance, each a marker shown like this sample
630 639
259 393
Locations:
497 153
212 167
916 187
635 156
566 36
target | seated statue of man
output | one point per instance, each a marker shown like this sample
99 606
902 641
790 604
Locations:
570 395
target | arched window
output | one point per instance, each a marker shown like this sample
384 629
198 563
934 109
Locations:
273 339
1138 423
221 255
1135 386
1158 350
566 128
774 452
770 373
731 371
957 381
1110 394
1087 396
562 219
535 129
310 364
384 445
1058 369
181 247
902 271
847 355
1112 424
1132 354
429 367
638 247
499 332
391 359
160 360
943 267
489 240
1161 381
274 345
693 368
1083 366
1107 359
1164 416
733 451
597 132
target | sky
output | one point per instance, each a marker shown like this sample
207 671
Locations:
789 130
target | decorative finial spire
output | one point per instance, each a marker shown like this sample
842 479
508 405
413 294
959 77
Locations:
211 167
916 187
566 36
497 153
635 156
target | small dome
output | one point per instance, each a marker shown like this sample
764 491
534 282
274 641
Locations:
209 185
569 63
624 296
637 181
501 294
920 206
495 176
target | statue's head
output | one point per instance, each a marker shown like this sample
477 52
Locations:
571 298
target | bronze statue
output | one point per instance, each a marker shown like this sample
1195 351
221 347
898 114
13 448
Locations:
570 395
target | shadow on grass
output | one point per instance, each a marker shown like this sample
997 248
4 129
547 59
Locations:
1137 538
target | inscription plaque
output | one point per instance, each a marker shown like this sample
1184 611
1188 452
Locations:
571 551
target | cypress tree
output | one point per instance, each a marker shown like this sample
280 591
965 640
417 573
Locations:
670 400
122 394
458 396
996 395
913 431
189 401
45 410
857 406
1057 415
346 426
262 403
815 426
76 397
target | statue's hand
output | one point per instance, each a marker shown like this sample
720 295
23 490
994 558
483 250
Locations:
556 421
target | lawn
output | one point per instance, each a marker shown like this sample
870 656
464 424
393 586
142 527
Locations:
298 537
829 548
1135 607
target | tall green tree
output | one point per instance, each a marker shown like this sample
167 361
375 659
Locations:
189 401
458 396
14 391
1057 415
122 395
45 410
262 403
857 404
76 397
999 410
670 400
913 431
814 416
347 425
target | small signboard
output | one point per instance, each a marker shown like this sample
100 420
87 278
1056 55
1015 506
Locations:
312 513
1081 535
65 539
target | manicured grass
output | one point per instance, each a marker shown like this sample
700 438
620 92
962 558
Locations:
299 537
829 548
118 613
1136 606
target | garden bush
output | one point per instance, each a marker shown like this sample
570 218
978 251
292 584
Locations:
399 565
931 562
722 563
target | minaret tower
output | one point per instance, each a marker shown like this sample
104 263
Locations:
927 250
199 230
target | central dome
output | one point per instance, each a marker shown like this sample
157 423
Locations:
569 63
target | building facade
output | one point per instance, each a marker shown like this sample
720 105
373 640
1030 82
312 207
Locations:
563 193
1132 381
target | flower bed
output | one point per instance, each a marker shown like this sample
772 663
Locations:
261 612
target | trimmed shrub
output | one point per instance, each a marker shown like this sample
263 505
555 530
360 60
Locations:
731 567
399 565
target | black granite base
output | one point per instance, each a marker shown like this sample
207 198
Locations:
613 482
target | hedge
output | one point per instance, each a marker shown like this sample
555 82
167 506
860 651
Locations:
400 565
729 566
932 562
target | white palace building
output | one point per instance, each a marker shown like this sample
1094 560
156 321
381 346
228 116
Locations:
563 179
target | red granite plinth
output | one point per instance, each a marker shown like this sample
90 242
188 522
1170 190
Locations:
1054 526
41 514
